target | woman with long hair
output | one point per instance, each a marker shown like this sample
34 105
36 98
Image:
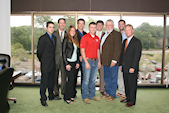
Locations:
71 61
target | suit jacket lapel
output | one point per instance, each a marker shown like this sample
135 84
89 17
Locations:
130 42
50 39
58 33
108 36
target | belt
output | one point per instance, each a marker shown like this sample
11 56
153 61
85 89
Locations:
92 59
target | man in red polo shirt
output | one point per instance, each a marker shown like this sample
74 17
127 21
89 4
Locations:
90 51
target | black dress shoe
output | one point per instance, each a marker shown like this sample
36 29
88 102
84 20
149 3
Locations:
58 98
124 101
55 98
44 103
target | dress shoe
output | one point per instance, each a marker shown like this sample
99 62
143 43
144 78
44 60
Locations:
104 96
44 103
55 98
95 98
124 101
129 104
87 101
103 93
110 98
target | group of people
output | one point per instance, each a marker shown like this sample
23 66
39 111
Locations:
115 54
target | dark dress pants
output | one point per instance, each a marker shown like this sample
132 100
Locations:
130 82
70 91
47 81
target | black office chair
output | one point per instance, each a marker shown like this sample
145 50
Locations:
5 62
5 79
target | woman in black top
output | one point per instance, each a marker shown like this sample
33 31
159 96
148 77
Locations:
71 61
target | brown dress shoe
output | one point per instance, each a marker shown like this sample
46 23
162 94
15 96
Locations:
87 101
129 104
104 96
110 98
95 98
124 101
103 93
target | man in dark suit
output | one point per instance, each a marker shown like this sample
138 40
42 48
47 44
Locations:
129 64
60 34
80 34
110 49
100 33
46 55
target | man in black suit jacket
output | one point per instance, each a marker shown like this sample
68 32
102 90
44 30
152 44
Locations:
129 61
80 34
46 55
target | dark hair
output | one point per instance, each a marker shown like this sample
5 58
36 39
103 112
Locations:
122 21
92 23
81 19
62 19
49 22
100 21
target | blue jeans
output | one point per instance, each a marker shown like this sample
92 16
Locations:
110 79
89 77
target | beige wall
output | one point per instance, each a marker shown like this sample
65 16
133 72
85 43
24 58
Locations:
5 37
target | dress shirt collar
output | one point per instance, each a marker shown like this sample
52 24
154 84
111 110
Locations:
108 31
50 35
81 34
63 32
129 39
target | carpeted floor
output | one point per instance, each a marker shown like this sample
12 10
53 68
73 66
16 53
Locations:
149 100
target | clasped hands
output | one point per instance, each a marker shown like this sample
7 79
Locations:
68 67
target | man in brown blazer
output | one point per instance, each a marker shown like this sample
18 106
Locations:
110 48
100 33
60 34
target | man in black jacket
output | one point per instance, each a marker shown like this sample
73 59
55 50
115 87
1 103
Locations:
129 61
80 34
46 55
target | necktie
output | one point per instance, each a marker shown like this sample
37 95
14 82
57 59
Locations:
126 44
61 36
53 40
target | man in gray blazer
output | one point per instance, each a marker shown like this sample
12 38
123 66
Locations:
60 34
110 48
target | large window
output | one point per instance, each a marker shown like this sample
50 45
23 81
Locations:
149 29
21 58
